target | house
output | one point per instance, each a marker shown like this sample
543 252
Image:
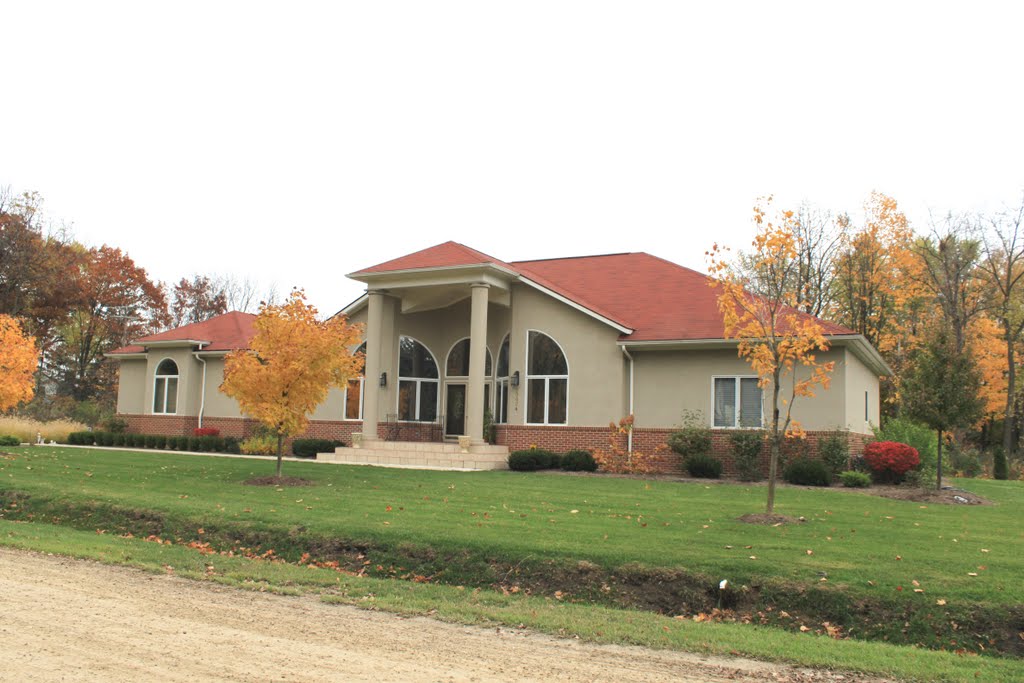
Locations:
552 351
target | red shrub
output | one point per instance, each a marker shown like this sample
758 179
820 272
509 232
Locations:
205 431
891 459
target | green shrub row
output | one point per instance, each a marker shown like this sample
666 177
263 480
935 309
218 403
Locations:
202 444
804 472
308 448
8 440
534 459
855 480
704 466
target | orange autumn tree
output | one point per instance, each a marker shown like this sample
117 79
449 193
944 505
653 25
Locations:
292 361
760 308
18 361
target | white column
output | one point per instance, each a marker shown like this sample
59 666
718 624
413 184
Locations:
371 386
477 361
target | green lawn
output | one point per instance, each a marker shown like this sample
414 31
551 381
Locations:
971 558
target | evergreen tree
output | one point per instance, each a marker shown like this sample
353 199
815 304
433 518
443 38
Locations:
942 389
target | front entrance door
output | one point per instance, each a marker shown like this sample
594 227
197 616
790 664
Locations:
455 407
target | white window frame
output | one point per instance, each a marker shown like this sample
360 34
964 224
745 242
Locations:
177 386
419 381
547 384
739 401
464 379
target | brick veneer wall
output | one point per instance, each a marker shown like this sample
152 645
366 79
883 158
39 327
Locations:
650 441
516 437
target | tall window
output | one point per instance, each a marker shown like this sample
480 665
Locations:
458 360
737 402
417 382
547 381
165 388
501 409
354 392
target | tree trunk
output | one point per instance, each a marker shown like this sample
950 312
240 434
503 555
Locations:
938 475
773 461
1011 376
280 440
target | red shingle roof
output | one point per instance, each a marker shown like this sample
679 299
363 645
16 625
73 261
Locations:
658 299
441 256
225 332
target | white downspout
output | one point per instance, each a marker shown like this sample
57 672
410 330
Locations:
202 393
629 436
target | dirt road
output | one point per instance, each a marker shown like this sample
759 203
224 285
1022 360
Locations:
73 620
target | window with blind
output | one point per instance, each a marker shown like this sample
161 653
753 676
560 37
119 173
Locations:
737 402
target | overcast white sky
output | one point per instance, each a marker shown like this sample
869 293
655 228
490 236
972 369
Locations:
296 142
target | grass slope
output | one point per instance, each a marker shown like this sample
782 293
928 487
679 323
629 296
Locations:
594 623
869 549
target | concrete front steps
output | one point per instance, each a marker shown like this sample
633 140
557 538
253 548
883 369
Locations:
420 455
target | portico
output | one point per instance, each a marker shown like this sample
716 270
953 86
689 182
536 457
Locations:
408 380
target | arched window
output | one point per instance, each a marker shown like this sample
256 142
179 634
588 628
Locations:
458 360
354 392
417 382
501 409
165 388
547 380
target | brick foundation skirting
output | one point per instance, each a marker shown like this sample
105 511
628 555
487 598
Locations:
517 437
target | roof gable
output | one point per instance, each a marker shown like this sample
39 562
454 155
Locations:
446 255
225 332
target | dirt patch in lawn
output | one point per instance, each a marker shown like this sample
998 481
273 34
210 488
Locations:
278 481
767 519
947 496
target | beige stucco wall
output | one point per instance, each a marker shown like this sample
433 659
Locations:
189 377
860 379
130 386
596 364
667 383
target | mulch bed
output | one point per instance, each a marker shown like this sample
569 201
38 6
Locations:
278 481
766 519
947 496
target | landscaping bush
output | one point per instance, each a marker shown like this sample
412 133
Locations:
834 451
693 439
704 466
262 444
181 443
205 431
115 425
525 461
8 440
104 439
965 460
579 461
1000 467
118 439
916 435
855 480
308 448
746 453
232 444
533 459
805 472
82 438
890 460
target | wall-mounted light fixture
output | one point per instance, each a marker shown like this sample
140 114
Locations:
515 378
383 379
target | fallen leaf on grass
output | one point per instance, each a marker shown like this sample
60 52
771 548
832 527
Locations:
940 602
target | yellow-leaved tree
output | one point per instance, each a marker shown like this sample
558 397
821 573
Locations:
760 307
292 361
18 361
